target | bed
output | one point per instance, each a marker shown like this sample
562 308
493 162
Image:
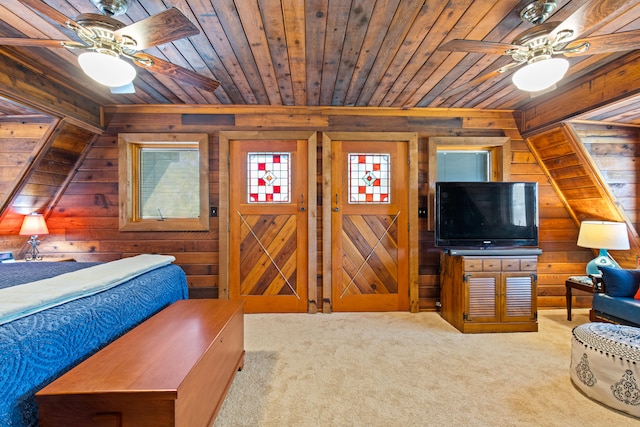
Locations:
71 320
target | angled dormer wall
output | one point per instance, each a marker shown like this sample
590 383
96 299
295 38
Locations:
593 169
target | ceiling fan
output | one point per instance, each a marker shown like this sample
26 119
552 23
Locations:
105 41
537 52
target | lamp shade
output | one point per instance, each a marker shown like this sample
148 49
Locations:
109 70
603 235
540 75
33 225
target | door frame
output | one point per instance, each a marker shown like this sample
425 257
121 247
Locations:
223 210
412 152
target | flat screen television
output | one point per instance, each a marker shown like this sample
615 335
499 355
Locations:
486 214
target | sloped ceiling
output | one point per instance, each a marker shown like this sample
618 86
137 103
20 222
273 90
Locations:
322 52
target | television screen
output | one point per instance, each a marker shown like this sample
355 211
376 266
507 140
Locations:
486 214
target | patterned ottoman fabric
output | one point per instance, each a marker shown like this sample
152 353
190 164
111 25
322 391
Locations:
605 364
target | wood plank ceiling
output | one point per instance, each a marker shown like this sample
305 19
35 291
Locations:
381 53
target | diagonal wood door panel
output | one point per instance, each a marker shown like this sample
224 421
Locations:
268 269
373 249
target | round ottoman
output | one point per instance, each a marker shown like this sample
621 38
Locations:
605 364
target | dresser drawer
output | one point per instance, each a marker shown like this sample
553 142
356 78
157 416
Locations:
471 264
510 265
528 264
491 264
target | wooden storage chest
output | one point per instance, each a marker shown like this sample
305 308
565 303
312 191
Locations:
172 370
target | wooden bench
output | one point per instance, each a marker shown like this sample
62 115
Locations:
172 370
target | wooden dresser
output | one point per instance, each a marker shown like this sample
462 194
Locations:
172 370
489 293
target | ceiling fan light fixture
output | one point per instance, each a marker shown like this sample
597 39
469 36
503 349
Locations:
539 75
111 7
107 69
538 11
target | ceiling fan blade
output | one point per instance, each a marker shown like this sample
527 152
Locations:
628 40
46 10
458 45
177 72
7 41
593 12
478 80
158 29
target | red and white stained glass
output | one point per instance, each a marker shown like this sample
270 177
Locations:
268 177
369 178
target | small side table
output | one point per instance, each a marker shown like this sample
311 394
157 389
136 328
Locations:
582 283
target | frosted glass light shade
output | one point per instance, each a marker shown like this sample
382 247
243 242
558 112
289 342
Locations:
107 69
540 75
33 225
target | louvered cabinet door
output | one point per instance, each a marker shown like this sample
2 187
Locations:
483 302
519 297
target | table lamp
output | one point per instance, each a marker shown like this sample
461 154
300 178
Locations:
33 225
603 235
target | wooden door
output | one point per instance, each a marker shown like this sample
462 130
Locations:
268 208
369 226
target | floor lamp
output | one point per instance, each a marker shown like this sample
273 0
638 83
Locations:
603 235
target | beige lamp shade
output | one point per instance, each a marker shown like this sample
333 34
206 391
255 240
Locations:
33 225
603 235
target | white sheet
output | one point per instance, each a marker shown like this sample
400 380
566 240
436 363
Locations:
22 300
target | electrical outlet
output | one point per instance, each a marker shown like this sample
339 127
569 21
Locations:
214 211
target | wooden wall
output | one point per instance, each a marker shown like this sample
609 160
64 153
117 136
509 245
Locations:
20 143
616 152
84 223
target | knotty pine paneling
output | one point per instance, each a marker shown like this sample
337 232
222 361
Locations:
85 220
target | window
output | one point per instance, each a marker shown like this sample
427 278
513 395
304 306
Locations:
164 182
498 161
463 166
369 178
268 177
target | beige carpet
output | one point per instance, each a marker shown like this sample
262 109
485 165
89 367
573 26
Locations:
402 369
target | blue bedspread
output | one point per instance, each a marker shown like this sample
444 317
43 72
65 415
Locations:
16 273
37 349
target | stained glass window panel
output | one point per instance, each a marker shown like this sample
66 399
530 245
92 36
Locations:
369 178
268 177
